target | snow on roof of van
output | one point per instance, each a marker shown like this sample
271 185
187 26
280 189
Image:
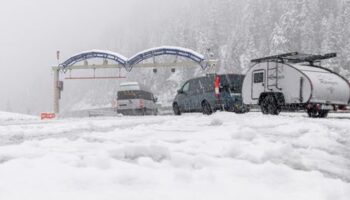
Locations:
133 86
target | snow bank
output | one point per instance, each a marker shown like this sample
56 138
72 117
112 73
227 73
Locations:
7 116
156 153
223 156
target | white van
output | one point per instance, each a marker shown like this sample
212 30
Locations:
133 99
295 81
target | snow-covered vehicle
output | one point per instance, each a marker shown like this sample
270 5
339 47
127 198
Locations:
211 93
295 81
134 99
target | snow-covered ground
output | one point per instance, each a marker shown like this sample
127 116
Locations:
223 156
8 117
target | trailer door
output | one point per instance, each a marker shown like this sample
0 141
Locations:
258 83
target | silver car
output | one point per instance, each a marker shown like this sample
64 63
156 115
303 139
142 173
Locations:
132 99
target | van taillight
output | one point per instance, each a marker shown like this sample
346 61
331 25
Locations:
217 85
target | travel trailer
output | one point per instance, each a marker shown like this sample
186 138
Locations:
295 81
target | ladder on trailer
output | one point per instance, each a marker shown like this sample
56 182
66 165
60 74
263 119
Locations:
272 75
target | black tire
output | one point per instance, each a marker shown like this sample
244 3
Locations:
313 113
323 113
206 108
269 105
263 107
176 109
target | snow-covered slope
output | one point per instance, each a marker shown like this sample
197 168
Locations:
223 156
7 116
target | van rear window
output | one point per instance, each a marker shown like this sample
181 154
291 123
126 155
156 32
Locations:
206 84
233 82
134 94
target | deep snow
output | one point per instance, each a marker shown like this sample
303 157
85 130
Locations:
223 156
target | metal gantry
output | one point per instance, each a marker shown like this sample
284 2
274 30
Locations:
108 55
122 62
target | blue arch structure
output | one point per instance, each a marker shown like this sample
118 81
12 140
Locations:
109 55
139 57
167 50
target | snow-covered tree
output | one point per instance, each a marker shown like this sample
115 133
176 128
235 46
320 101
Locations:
236 31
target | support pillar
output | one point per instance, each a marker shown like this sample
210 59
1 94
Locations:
56 89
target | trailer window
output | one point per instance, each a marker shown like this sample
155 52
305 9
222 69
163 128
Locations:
259 77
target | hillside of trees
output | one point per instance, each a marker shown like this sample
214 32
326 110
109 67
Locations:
239 30
235 31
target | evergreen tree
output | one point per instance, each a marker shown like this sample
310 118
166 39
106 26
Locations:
237 31
329 41
346 37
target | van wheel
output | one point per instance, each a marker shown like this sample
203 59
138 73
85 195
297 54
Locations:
176 109
312 113
269 106
206 109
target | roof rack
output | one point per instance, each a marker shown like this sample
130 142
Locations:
295 57
274 58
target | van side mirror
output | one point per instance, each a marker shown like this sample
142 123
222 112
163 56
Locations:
155 99
180 91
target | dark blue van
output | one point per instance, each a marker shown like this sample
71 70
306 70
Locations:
211 93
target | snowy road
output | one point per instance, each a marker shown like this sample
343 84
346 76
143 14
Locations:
223 156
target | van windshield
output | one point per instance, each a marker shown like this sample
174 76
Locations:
134 94
232 82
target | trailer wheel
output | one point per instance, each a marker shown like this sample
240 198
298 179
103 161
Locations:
313 113
269 105
264 107
323 113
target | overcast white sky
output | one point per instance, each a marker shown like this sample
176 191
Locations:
32 30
